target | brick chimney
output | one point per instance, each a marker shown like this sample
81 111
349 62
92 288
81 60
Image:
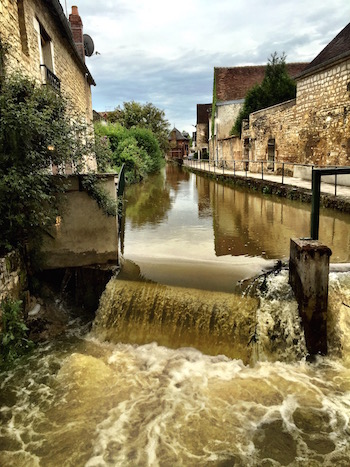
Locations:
76 26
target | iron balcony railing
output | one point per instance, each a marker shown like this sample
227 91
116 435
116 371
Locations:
50 78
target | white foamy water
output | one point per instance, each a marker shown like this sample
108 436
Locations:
85 402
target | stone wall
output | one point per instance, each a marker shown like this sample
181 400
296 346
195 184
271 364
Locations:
323 107
84 235
20 26
278 123
227 114
314 128
202 137
13 278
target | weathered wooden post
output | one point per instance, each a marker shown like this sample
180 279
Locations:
308 276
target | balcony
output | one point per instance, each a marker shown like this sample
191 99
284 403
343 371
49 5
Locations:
50 78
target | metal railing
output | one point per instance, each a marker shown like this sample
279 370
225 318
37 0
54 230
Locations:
275 170
50 78
121 181
317 173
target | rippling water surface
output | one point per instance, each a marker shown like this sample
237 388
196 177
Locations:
147 385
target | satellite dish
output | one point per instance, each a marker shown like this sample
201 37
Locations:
88 45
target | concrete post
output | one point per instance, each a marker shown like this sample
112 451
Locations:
308 276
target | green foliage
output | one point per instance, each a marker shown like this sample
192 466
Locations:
276 87
136 115
91 185
137 148
35 132
103 153
13 337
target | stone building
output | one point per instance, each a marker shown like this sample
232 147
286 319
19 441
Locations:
229 90
179 145
202 130
315 127
47 47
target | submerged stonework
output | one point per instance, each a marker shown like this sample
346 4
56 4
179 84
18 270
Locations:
13 278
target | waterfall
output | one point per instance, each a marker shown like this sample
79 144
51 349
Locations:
254 326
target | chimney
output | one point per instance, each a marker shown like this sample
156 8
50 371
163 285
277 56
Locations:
76 26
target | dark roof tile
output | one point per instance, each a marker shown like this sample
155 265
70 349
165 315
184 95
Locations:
233 83
202 112
337 49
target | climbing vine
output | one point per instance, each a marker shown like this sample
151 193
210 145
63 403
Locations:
92 185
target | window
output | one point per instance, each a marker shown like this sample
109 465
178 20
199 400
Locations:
46 57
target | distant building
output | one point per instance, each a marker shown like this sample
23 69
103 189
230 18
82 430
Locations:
202 130
47 47
231 85
178 145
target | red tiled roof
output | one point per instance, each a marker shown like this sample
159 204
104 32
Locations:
178 135
337 49
233 83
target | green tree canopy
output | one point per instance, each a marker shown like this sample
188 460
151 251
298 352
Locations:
136 115
137 148
276 87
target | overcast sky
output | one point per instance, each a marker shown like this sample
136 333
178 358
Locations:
164 51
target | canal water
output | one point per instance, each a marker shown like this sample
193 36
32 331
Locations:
183 366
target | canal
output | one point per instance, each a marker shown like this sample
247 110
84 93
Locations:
183 229
180 368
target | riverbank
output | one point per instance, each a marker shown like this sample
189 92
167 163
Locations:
291 188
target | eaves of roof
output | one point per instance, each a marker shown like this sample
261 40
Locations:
335 52
56 8
322 66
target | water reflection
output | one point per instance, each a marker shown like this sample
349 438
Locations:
190 231
148 203
256 224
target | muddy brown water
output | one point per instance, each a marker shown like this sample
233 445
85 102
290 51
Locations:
179 368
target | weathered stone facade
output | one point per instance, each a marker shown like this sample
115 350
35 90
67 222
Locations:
322 116
202 129
273 124
230 88
315 128
39 37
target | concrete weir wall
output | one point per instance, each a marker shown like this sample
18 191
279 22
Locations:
84 235
308 276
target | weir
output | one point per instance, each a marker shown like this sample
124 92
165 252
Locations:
251 327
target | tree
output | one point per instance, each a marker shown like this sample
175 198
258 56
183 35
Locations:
137 148
35 132
276 87
136 115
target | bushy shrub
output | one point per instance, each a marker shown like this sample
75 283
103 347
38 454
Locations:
13 337
35 132
137 148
